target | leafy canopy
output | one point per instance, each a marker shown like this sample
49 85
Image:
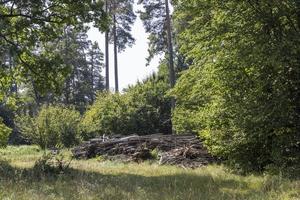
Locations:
27 26
241 93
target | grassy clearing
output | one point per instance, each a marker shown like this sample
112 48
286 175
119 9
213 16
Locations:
112 180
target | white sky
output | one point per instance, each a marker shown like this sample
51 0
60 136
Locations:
132 62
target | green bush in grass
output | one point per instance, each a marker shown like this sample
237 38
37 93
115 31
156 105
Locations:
54 126
4 134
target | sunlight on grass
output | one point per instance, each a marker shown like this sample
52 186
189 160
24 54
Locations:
91 179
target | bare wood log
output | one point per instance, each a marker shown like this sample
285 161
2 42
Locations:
182 150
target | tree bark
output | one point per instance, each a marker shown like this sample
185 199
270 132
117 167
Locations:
66 60
170 46
92 79
106 54
116 55
171 56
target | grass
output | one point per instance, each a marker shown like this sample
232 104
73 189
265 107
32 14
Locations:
91 179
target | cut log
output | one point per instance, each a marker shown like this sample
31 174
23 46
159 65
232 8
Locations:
182 150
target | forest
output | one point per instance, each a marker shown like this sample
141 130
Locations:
219 119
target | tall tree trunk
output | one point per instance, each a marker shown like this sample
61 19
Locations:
170 46
37 98
106 53
14 87
66 60
116 55
171 56
93 90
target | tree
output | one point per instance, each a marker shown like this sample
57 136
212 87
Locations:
25 25
123 17
84 63
157 22
95 63
241 93
107 50
170 46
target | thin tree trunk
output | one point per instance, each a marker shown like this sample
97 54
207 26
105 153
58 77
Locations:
116 56
37 98
92 80
106 54
13 88
66 58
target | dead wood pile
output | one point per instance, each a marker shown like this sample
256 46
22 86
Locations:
182 150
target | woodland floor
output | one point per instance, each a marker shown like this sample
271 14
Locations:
96 179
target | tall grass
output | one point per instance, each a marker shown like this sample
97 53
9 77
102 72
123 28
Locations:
91 179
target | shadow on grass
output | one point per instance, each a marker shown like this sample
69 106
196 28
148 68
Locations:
79 184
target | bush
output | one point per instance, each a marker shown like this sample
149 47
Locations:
52 164
4 134
54 126
151 108
143 109
108 115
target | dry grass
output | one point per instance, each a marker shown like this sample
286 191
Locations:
112 180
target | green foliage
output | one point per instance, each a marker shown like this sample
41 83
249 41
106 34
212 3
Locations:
4 134
107 115
151 109
125 18
54 126
84 59
52 164
27 27
143 109
241 93
155 154
153 18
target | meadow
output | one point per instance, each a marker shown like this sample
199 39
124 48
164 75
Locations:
97 179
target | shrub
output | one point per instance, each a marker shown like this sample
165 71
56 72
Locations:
52 164
108 115
151 108
4 134
54 126
142 109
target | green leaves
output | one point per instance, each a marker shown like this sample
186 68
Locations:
4 134
125 18
28 26
239 93
48 129
142 109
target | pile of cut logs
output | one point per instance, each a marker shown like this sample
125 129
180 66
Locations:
181 150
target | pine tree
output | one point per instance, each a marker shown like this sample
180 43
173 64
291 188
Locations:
84 60
95 62
25 25
157 22
123 17
107 50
